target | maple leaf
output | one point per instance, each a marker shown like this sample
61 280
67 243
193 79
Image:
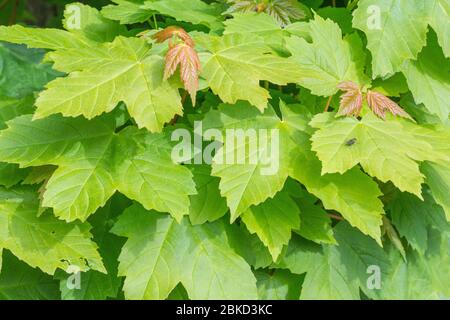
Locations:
187 58
351 100
282 10
380 104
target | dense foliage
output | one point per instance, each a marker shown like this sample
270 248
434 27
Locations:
93 204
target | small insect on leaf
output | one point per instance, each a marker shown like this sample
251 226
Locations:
351 142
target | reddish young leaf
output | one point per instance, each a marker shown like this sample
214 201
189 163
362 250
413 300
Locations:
173 31
184 55
380 104
351 100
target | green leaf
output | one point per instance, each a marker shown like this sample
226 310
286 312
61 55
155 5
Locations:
95 285
409 215
152 178
279 285
300 256
160 253
11 108
32 143
193 11
385 22
87 21
207 205
428 81
82 183
358 254
127 12
21 73
20 282
255 174
438 15
316 224
11 174
257 24
273 222
438 179
358 200
104 80
327 280
420 277
44 242
53 39
327 61
236 63
389 150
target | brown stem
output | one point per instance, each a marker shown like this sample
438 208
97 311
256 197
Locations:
328 104
12 19
335 217
333 2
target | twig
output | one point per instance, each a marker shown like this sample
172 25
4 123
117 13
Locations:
12 19
328 104
335 217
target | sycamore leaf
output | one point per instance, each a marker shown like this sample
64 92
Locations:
358 194
53 39
380 104
187 58
119 73
281 285
327 61
44 242
315 223
273 222
358 200
389 150
21 74
412 217
283 11
418 277
428 81
258 24
384 22
95 285
351 101
207 205
87 21
20 282
127 11
439 12
159 253
236 63
438 179
256 174
327 280
300 256
194 11
152 178
91 168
